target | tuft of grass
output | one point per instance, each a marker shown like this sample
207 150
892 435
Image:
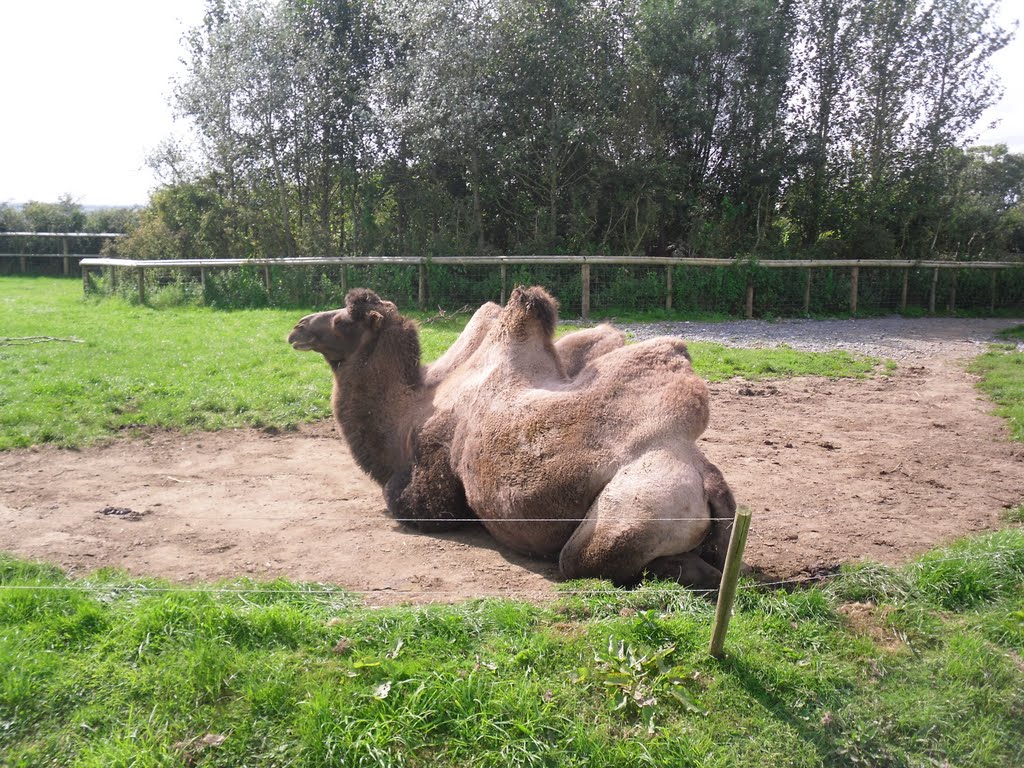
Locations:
1002 378
1014 333
972 572
717 362
1015 514
868 581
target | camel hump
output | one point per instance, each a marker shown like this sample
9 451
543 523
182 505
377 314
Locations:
528 307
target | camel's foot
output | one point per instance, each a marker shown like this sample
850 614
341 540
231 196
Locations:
688 569
438 526
427 504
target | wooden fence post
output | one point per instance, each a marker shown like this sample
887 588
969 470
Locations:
202 278
344 279
668 288
141 277
807 293
113 279
750 297
903 293
504 284
931 294
854 279
421 299
85 280
730 576
67 256
585 279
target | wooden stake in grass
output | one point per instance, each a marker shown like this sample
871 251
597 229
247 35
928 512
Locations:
730 575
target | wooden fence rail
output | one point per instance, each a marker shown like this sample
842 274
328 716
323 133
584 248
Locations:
583 262
65 253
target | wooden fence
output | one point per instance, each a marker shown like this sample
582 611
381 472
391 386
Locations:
64 254
584 263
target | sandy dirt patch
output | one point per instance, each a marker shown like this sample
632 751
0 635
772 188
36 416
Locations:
834 471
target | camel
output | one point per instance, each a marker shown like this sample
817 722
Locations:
582 449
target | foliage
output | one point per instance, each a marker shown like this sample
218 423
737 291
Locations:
110 670
727 128
66 215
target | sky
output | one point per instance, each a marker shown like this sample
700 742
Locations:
86 91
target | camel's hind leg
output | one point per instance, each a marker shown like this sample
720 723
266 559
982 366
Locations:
722 508
652 516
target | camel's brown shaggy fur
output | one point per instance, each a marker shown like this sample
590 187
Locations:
582 449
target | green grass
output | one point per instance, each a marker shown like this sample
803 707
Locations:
196 368
716 362
919 665
1016 333
109 671
1002 378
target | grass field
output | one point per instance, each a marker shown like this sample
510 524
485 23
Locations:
913 666
114 367
1002 378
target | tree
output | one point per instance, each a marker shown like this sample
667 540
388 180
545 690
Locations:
721 72
442 103
66 215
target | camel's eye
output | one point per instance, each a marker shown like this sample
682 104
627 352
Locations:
344 326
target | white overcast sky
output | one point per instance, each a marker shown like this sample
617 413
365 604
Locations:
86 83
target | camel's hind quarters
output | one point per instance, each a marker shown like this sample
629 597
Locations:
582 449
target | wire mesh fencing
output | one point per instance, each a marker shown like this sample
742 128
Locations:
584 286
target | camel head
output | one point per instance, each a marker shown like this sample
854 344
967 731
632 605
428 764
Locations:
338 333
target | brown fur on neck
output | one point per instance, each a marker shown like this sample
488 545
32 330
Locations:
374 388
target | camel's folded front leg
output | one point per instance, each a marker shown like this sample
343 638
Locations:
652 509
427 495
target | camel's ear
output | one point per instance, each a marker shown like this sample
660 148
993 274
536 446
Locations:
374 319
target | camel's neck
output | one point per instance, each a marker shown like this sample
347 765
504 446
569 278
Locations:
378 398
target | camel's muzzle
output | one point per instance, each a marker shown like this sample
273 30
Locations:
299 338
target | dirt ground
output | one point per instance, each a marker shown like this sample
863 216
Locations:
834 471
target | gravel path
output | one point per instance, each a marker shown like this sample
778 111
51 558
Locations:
894 337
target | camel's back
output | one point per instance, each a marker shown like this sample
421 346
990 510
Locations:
554 447
640 389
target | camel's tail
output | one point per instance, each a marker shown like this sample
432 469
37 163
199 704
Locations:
722 509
